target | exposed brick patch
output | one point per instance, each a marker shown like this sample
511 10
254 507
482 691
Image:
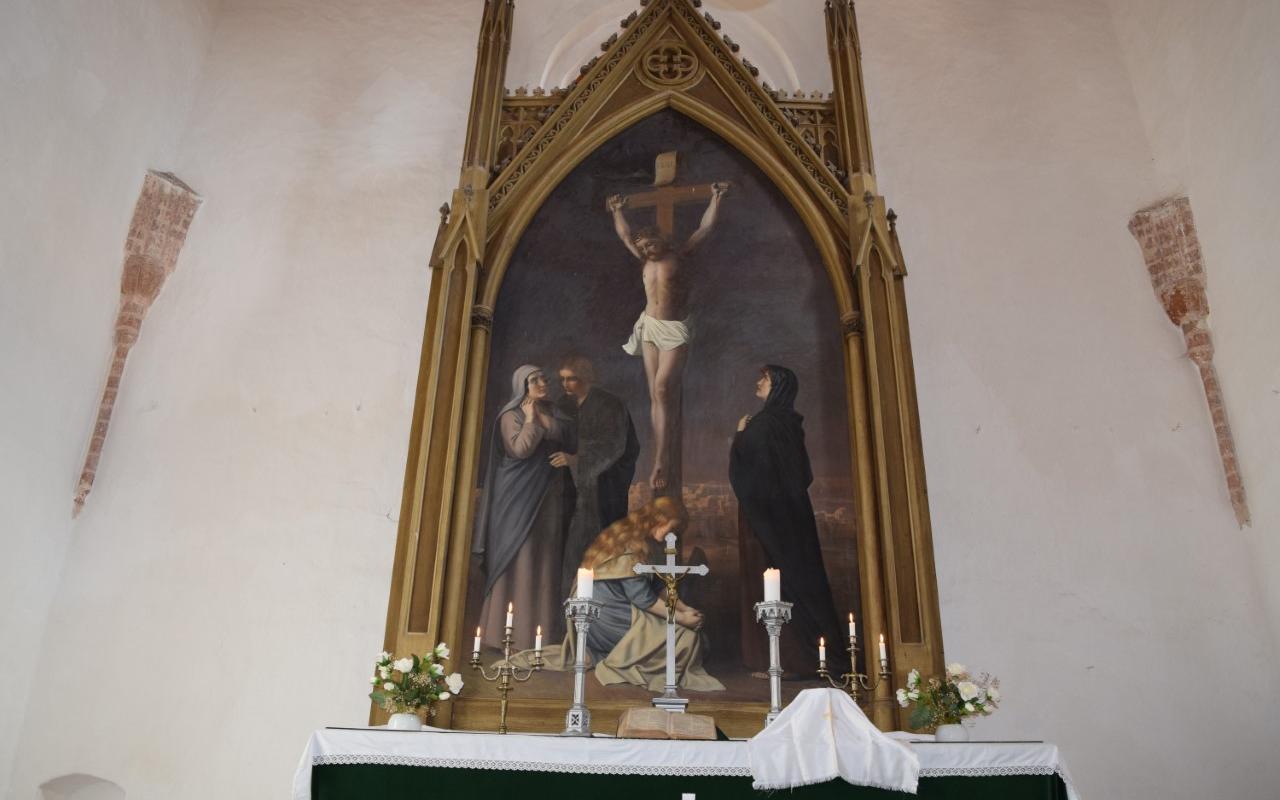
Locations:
1166 232
159 228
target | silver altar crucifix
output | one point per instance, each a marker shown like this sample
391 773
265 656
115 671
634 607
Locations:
671 575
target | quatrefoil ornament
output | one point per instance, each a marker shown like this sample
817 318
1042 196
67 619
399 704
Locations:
671 64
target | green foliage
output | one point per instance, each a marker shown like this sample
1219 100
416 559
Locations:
412 683
948 700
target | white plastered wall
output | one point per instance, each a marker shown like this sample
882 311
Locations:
230 572
92 94
1206 77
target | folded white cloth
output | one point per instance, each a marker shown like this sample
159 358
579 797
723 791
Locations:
823 735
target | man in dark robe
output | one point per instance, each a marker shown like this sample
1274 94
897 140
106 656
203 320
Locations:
604 464
770 473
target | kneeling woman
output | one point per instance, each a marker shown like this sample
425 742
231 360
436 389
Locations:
628 642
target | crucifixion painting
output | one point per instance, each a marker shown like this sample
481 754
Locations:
662 334
583 446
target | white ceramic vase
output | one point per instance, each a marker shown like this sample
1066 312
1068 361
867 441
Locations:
404 722
951 733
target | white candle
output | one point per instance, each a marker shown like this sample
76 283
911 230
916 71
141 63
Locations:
853 627
772 585
822 651
537 639
476 648
586 583
510 614
884 653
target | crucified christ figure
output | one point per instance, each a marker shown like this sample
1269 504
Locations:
661 335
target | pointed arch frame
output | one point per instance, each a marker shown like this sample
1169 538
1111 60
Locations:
856 239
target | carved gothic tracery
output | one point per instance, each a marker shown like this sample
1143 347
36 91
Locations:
814 118
670 64
522 114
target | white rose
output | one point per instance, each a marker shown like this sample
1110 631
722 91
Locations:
913 678
969 707
404 665
455 682
956 669
437 670
374 680
384 672
445 695
442 650
389 686
968 690
384 656
994 694
902 697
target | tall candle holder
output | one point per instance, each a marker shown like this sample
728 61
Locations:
504 672
581 611
774 614
856 683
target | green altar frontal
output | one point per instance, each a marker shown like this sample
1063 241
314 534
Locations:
360 781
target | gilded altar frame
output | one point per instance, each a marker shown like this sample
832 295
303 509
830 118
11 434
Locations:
668 54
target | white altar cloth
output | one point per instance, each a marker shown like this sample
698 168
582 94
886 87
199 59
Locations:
435 747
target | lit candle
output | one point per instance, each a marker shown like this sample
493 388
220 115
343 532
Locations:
510 614
884 653
822 651
586 583
853 627
772 585
537 639
475 650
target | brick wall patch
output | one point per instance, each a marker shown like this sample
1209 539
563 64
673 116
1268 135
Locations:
1166 232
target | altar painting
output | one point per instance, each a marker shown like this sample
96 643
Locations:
663 274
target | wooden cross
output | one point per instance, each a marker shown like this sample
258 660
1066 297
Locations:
671 575
665 198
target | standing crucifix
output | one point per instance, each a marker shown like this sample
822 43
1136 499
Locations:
661 334
671 575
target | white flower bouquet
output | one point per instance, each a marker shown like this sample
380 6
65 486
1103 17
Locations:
413 683
947 700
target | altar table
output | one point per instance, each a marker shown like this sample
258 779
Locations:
358 763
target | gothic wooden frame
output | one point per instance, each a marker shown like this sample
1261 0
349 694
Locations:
818 152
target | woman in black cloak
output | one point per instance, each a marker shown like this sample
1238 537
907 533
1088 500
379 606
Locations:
770 473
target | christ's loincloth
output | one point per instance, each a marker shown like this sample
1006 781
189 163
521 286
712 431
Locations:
665 334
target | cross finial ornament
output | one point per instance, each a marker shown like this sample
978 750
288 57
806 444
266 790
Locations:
671 574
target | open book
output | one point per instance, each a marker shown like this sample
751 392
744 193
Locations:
654 723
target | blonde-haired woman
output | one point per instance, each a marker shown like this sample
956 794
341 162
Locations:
628 642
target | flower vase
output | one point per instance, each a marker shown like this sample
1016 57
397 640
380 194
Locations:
951 733
404 722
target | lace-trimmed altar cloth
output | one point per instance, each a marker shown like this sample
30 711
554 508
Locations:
439 748
823 735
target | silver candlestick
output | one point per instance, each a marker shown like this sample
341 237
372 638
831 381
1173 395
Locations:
580 610
774 614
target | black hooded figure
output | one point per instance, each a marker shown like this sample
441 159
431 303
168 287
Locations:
770 473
